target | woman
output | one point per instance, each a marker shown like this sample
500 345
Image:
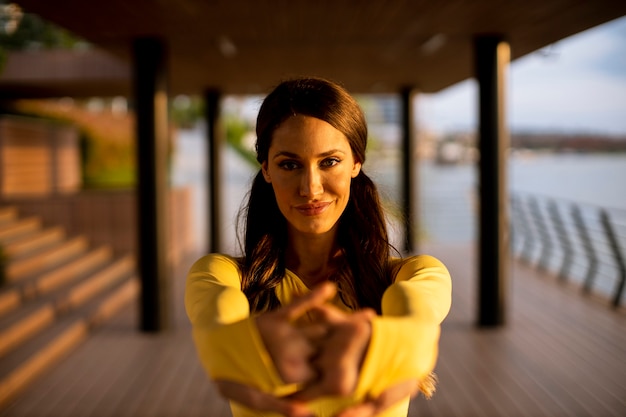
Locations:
317 318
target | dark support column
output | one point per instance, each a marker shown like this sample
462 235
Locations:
212 103
150 96
409 174
491 60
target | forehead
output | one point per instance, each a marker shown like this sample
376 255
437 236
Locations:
303 134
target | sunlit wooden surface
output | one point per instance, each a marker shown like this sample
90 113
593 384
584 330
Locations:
561 354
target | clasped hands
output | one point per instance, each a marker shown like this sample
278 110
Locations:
323 355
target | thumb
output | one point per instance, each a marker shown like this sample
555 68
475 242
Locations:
317 297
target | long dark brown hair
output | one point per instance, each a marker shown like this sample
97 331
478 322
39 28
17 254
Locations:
362 236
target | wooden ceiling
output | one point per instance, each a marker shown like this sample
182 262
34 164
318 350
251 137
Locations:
247 46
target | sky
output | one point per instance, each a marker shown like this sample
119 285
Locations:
575 85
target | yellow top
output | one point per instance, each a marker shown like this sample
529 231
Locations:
403 345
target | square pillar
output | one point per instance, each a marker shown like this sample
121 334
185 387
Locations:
492 56
151 108
214 193
409 173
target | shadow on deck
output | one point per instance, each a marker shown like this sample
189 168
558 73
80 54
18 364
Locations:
561 354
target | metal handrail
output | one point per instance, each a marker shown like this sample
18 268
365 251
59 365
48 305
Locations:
576 241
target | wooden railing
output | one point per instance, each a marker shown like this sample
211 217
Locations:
578 242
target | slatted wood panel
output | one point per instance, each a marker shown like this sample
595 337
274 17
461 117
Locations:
25 163
67 157
561 354
37 158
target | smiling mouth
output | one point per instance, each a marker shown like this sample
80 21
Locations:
312 209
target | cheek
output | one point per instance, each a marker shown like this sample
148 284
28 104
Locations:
341 184
282 194
282 184
340 189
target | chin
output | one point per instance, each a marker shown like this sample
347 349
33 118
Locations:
314 229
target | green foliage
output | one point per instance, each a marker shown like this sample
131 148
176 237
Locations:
106 140
107 164
185 111
34 32
29 31
236 130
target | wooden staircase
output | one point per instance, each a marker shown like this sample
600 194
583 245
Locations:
55 291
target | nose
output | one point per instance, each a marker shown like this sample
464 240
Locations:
311 183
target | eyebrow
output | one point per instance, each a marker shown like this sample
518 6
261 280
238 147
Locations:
296 156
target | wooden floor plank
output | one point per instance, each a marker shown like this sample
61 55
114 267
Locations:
543 348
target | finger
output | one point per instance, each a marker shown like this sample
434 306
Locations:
366 313
258 400
314 332
392 395
327 313
341 380
315 390
337 378
316 297
331 314
386 399
293 361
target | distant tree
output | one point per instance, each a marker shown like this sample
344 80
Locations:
27 31
185 111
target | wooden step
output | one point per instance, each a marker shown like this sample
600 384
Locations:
122 297
7 214
56 290
18 228
89 288
26 327
9 301
13 297
52 280
65 341
24 267
34 241
29 371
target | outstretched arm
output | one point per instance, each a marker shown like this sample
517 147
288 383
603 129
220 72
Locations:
254 361
404 347
226 337
401 345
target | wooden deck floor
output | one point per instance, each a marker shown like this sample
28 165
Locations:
561 354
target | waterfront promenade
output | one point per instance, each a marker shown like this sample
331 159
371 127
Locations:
561 354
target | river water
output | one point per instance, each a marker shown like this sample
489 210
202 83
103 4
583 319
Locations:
446 195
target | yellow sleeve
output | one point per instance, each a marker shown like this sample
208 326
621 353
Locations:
405 339
226 337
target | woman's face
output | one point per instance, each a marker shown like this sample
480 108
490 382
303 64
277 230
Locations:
310 166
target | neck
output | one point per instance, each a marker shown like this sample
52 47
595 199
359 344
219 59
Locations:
312 258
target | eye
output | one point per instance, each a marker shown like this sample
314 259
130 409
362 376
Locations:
330 162
288 165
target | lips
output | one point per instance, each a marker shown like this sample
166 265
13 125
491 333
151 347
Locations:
312 209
